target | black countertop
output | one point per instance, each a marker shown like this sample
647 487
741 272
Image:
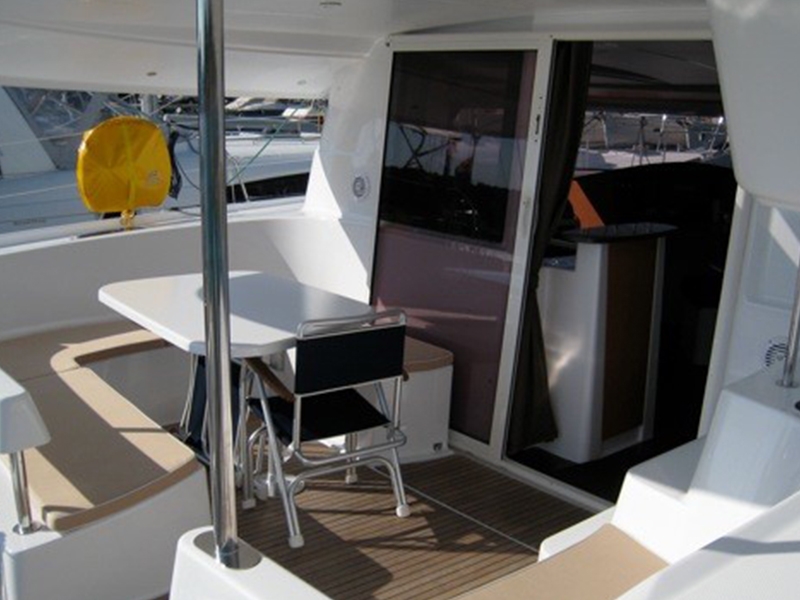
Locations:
617 233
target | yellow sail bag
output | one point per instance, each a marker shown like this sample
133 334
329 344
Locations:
123 164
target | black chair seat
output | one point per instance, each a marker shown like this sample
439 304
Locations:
324 416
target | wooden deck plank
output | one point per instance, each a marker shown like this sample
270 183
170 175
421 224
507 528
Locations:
493 498
356 548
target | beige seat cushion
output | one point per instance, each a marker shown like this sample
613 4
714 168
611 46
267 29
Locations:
602 567
74 356
30 356
421 356
105 454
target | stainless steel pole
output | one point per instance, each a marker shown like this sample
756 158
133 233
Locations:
211 94
20 480
149 105
794 336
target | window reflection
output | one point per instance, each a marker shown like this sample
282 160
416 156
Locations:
450 195
449 164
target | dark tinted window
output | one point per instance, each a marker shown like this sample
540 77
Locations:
449 162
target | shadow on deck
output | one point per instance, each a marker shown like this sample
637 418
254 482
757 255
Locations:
469 525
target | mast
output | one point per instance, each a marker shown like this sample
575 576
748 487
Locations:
211 92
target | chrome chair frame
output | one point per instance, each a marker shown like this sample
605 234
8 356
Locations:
383 453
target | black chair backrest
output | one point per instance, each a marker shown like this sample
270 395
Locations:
344 358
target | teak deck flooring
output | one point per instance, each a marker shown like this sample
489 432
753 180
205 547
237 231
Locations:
469 525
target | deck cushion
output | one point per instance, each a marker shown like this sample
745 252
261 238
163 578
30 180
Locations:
104 456
73 356
30 356
602 567
421 356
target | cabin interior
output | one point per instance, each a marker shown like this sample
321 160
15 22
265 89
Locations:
655 369
653 156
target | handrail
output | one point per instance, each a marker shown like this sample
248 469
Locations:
395 316
787 380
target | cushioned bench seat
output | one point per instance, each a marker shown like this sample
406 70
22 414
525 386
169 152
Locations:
34 355
105 455
601 567
420 356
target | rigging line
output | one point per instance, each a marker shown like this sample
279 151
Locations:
267 142
38 191
42 139
185 210
185 175
122 105
116 106
240 170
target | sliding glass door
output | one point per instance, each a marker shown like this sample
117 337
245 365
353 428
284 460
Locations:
450 203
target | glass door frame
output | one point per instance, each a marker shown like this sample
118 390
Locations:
494 451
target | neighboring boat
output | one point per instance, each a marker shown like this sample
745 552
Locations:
665 298
620 140
268 156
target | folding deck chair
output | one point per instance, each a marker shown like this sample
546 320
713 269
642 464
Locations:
333 358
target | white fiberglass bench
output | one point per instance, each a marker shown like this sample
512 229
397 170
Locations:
677 508
114 490
426 401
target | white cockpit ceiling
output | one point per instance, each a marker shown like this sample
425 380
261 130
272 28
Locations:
148 45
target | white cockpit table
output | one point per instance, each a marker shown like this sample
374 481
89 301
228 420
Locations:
265 310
